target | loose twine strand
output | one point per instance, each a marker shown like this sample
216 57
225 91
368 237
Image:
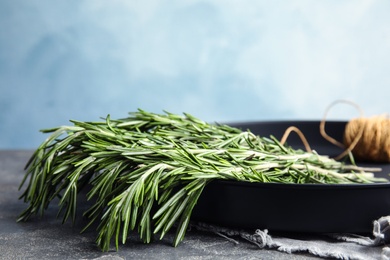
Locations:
299 133
366 138
354 139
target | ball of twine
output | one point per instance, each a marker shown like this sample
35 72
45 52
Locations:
374 140
367 138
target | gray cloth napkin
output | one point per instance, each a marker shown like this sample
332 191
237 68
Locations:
337 246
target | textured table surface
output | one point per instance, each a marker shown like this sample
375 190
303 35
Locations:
47 238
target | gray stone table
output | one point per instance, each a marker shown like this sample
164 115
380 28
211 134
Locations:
48 238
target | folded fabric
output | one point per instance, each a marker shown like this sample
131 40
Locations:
338 246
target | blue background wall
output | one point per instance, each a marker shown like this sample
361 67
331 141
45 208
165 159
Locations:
218 60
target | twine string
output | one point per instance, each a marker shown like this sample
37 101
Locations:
299 133
367 138
330 139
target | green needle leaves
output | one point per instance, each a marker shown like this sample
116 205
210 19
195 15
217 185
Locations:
146 172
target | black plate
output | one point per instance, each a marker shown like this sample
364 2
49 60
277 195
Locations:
314 208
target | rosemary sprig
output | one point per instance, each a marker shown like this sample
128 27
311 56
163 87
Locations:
147 171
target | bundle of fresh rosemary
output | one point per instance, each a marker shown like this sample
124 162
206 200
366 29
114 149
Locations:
147 171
